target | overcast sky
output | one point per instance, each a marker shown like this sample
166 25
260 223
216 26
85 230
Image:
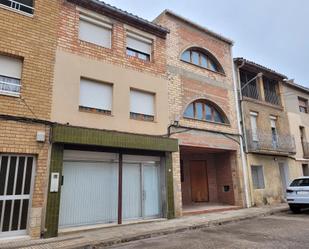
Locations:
274 33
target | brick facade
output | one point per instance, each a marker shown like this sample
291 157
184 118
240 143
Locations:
69 41
189 82
32 39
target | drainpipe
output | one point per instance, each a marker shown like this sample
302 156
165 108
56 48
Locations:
242 138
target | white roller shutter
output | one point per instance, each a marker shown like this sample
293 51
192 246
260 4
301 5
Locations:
139 43
142 102
10 67
93 31
95 95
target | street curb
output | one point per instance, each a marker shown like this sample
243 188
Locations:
162 232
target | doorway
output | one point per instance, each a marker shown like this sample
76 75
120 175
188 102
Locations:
199 182
284 175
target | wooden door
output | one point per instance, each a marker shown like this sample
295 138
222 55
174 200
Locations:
199 183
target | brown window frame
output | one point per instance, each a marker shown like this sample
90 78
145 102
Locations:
209 60
303 105
213 111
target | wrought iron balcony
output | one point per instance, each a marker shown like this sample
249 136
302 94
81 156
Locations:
264 141
305 146
271 97
251 91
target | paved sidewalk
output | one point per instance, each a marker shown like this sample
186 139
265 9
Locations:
119 234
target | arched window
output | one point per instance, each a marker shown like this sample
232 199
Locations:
202 58
205 110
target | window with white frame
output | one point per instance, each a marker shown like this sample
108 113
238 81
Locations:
95 96
142 105
95 31
10 75
257 176
25 6
138 46
254 130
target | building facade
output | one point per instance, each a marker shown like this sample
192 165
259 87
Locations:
110 157
202 114
27 55
269 143
296 102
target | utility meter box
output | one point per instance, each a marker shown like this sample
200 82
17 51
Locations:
54 182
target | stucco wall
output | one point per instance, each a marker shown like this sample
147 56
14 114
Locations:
273 191
70 68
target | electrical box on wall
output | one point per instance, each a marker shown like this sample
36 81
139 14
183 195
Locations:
54 182
40 136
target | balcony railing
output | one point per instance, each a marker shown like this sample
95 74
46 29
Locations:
305 146
251 91
19 5
271 97
9 85
264 141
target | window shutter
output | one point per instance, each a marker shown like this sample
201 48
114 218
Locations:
142 102
95 32
139 43
253 119
95 95
10 67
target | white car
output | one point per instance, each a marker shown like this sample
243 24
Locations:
297 194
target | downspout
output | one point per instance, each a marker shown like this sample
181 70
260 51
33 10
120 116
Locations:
238 103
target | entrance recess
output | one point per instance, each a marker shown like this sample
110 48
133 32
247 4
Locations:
16 180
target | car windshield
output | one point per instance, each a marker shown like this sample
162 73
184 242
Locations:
300 182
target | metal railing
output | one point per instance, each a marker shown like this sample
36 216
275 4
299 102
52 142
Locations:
251 91
265 141
271 97
305 146
19 5
9 88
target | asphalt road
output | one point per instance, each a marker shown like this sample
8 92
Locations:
279 231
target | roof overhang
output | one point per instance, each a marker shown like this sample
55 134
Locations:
254 67
122 16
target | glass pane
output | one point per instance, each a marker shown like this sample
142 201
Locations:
151 190
24 214
195 58
28 176
208 113
203 61
186 56
20 174
3 170
189 113
15 215
144 57
131 52
7 216
131 191
199 110
217 117
11 178
213 66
